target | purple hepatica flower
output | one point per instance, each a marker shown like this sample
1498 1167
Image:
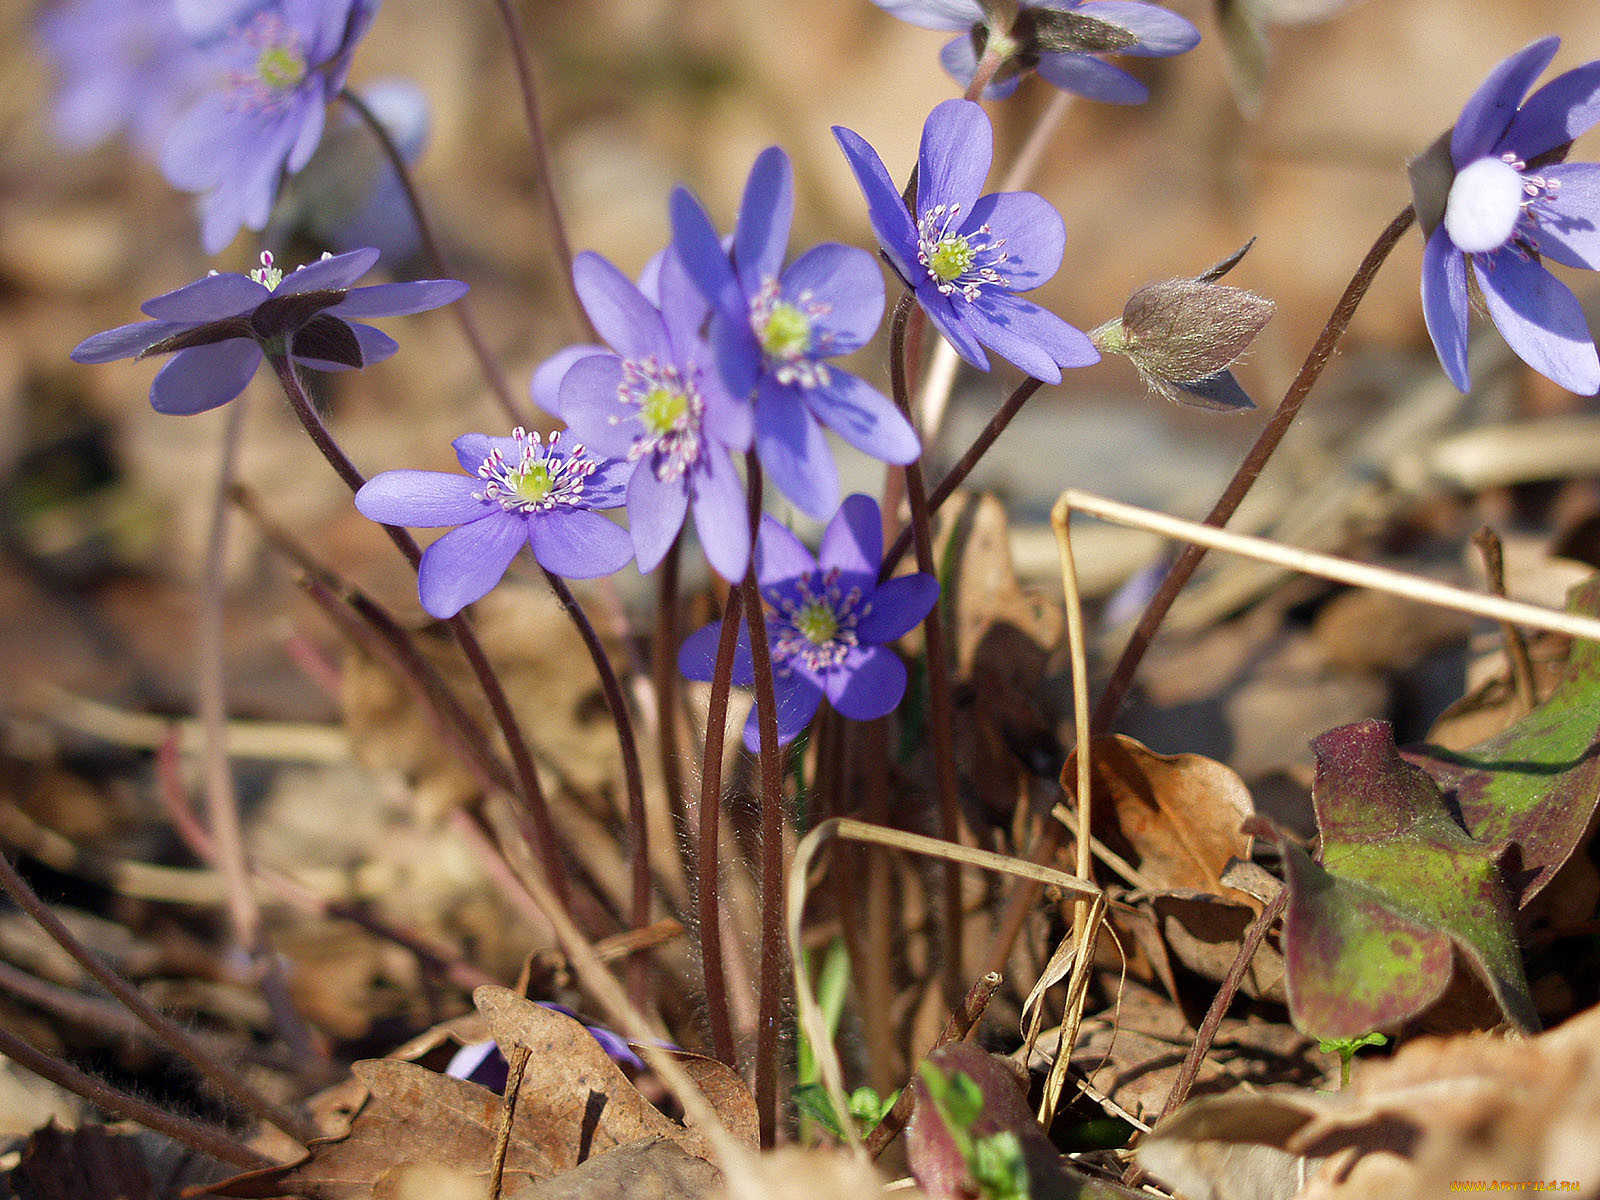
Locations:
1511 202
219 327
774 329
967 257
829 625
1058 38
522 491
656 399
278 68
121 65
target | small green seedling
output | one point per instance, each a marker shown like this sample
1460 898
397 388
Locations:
995 1162
1346 1049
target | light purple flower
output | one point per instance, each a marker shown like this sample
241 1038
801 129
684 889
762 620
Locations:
655 398
1511 202
829 623
1060 39
967 257
276 69
773 331
121 66
219 327
521 491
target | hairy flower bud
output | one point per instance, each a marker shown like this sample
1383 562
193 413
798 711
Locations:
1182 335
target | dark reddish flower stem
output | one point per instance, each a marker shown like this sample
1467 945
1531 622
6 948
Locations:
770 757
941 711
707 874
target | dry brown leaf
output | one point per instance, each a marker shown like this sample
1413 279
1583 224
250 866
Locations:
429 1181
819 1173
81 1164
651 1169
1442 1110
727 1093
574 1100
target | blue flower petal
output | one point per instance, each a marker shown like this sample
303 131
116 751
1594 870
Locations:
797 702
702 256
545 390
211 298
579 544
1033 231
719 516
655 515
1488 113
767 211
399 299
935 14
1561 110
895 230
1087 76
792 448
1542 321
849 282
466 563
125 341
869 685
1569 225
1033 338
957 148
1444 304
948 315
204 377
621 315
588 404
423 499
697 657
899 606
336 273
864 417
853 541
1161 32
781 557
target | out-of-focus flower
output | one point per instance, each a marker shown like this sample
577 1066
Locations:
274 71
829 624
967 257
655 398
521 491
122 66
1060 39
1183 335
1494 198
219 327
773 330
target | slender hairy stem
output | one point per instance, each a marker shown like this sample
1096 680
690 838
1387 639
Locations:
222 800
536 811
170 1034
707 874
962 1021
523 61
108 1099
770 757
638 819
1023 894
664 678
461 309
957 475
941 711
1250 469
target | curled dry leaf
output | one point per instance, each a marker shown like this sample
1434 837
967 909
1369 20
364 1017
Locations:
1179 821
1469 1108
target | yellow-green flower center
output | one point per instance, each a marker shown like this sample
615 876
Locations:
816 621
951 258
532 482
787 333
662 410
280 68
